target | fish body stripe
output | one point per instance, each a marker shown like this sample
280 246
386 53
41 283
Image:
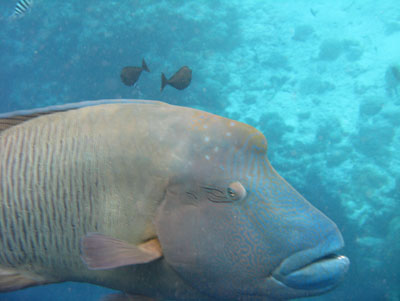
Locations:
47 200
22 6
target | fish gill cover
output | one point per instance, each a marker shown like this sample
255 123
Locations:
320 80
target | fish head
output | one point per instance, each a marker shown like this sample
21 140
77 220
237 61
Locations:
232 227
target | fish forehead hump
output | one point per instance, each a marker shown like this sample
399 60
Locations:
182 129
225 132
217 147
188 140
185 140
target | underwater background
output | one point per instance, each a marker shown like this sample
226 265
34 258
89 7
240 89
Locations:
321 80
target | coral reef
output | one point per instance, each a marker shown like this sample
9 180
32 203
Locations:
303 32
392 78
330 50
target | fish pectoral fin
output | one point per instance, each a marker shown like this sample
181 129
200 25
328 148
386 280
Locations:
13 279
125 297
102 252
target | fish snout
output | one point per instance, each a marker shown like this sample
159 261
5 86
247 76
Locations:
317 269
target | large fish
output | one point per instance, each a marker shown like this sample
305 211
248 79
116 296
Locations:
155 200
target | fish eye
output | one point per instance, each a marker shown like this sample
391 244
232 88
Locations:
236 191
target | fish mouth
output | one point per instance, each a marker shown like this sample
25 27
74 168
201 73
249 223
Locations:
320 268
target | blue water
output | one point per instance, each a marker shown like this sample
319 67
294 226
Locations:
318 78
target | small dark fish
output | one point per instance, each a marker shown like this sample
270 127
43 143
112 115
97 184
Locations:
21 8
130 75
180 80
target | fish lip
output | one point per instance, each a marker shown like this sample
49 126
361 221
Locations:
318 268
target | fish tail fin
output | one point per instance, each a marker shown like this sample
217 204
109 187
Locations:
164 81
144 66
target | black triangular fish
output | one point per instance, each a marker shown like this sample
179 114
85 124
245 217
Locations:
180 80
130 75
